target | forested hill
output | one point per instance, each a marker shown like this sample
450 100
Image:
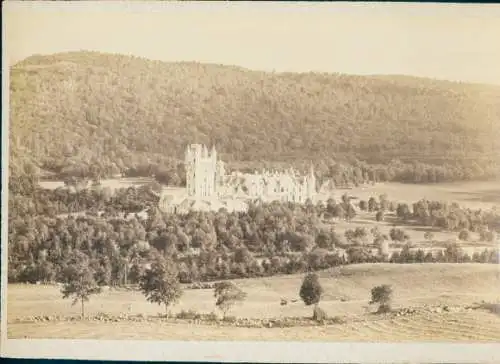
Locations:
112 112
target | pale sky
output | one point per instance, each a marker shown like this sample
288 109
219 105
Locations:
446 41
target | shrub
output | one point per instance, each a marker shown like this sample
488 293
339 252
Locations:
463 235
337 320
428 236
453 253
230 319
487 235
188 315
372 204
212 317
319 315
398 235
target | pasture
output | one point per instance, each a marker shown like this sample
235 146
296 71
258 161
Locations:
347 293
416 234
112 183
347 289
470 327
475 195
472 194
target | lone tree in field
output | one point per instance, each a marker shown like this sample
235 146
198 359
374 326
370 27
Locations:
227 294
160 283
79 280
311 290
382 295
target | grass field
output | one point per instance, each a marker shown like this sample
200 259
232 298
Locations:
470 327
416 233
483 194
474 195
347 293
113 183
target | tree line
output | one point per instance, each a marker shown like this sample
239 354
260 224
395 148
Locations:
268 239
160 284
26 198
451 217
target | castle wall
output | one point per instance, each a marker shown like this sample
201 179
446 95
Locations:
201 170
206 179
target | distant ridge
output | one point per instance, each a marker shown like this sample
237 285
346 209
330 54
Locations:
115 112
393 77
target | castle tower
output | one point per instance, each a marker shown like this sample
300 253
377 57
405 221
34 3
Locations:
213 154
189 164
200 171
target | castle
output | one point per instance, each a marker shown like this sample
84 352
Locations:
204 174
208 187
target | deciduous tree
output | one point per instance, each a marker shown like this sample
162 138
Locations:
382 295
160 283
227 294
79 280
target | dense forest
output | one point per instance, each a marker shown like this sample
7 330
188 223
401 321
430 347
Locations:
268 239
89 113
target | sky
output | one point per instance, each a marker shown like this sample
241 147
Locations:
446 41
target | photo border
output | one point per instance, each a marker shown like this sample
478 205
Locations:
237 351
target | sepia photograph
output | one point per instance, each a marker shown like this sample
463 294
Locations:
273 182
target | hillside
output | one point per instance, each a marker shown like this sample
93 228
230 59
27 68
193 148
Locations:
112 112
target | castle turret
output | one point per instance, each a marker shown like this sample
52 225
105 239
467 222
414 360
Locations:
311 183
188 157
200 171
213 154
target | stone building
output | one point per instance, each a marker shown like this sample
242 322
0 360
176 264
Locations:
208 184
201 171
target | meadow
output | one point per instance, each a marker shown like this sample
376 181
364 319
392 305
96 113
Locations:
347 294
112 183
470 194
